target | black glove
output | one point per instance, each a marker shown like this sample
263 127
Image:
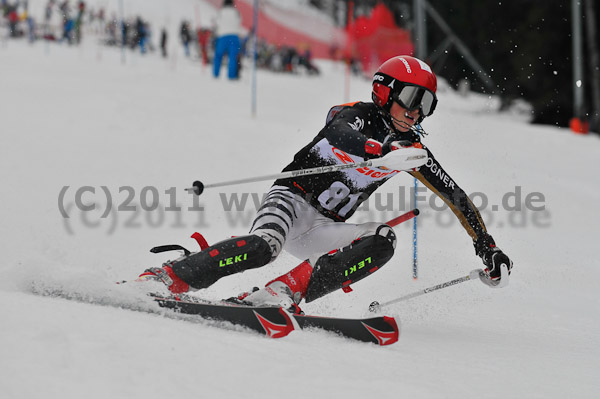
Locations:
492 256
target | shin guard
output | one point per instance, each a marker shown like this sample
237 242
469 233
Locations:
234 255
350 264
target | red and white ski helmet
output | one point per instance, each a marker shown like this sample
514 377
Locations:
408 81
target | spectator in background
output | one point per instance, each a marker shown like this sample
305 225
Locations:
68 22
124 33
111 31
163 42
186 37
227 30
30 28
68 27
13 20
305 60
47 18
203 43
141 33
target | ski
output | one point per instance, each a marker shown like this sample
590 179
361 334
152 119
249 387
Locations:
276 322
270 321
380 330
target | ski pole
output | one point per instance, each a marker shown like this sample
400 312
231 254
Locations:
473 275
198 187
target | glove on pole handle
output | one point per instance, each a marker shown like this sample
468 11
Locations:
500 283
198 187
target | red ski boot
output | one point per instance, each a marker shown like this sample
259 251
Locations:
285 291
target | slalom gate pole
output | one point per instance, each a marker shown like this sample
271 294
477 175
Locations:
415 258
254 55
475 274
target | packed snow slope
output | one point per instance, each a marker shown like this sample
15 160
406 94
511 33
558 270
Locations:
76 119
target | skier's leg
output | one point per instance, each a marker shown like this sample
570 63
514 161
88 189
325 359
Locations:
282 216
234 255
285 291
202 269
350 264
319 275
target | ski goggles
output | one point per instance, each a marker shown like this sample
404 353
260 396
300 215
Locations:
415 97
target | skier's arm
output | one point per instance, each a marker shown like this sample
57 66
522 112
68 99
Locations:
439 182
347 131
434 177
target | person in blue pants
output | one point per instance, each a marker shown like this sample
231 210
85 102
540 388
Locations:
227 29
230 45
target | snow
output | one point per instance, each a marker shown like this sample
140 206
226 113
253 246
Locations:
77 116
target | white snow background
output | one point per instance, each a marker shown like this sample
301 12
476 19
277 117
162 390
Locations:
77 117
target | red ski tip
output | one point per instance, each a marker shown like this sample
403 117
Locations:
385 337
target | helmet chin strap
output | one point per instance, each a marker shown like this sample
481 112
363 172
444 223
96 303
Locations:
419 130
415 128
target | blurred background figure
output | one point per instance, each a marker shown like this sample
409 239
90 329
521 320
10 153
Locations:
111 29
141 34
163 42
203 44
186 37
31 27
48 11
227 30
124 33
13 19
67 22
305 60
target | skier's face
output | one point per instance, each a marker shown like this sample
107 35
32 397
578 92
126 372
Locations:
402 118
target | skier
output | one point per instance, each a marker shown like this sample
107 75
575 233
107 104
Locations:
306 215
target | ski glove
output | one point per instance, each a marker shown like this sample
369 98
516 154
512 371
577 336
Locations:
492 256
375 149
397 155
405 158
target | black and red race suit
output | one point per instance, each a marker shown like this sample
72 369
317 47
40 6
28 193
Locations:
338 194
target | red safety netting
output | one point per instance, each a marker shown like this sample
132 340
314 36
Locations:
374 39
371 40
